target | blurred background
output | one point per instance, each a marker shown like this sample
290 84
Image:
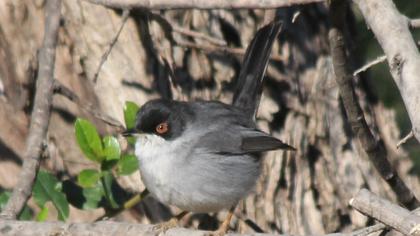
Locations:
300 193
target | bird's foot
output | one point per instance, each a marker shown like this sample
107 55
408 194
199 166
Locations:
224 227
165 226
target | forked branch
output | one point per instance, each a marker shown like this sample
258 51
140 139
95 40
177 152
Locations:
373 147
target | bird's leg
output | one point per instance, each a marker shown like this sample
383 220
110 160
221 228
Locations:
172 223
221 231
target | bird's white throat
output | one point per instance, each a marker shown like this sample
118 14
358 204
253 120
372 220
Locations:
149 146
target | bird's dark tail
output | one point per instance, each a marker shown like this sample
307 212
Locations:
249 86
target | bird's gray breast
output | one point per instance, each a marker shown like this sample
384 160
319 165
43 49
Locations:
182 173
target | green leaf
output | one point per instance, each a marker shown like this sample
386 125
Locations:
108 165
43 214
131 140
4 197
26 213
88 139
47 188
93 197
127 165
112 148
88 178
84 198
130 113
107 182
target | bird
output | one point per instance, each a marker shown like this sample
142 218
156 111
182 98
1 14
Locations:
205 156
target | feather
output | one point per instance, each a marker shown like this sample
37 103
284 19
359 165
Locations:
263 144
249 85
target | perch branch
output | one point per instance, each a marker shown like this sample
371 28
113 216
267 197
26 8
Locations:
40 114
104 228
373 147
66 92
200 4
125 15
393 34
386 212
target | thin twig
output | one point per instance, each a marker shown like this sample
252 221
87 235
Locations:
168 28
200 4
40 114
66 92
218 49
405 139
368 230
370 64
127 205
295 16
374 148
197 34
125 15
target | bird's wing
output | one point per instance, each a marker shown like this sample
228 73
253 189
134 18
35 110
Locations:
258 141
236 140
249 84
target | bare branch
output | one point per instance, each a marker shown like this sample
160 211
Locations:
374 148
125 15
217 48
369 65
66 92
392 31
220 49
200 4
386 212
104 228
40 114
196 34
368 230
295 16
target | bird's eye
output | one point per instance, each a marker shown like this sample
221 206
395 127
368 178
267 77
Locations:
162 128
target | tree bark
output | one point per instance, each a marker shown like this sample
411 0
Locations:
300 193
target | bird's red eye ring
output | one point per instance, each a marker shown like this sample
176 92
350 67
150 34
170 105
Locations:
162 128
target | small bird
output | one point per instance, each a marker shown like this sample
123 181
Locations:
205 156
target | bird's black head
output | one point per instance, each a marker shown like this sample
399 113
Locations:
164 118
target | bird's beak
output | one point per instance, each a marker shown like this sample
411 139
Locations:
129 133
